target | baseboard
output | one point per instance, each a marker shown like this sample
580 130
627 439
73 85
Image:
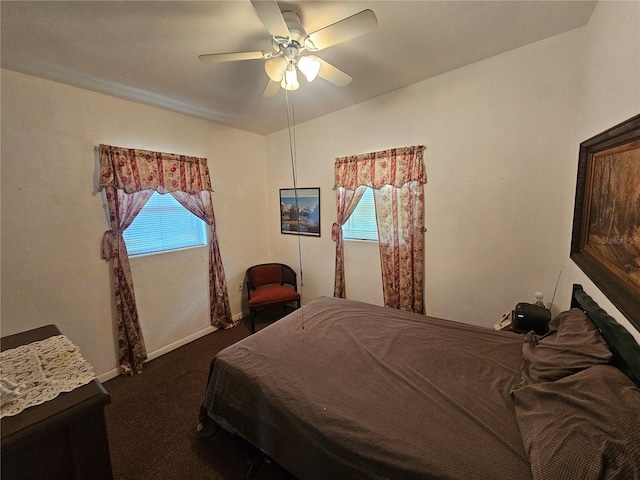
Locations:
113 373
168 348
179 343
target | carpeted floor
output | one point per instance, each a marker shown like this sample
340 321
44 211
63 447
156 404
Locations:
153 416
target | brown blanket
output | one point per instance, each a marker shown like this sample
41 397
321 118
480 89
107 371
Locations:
346 390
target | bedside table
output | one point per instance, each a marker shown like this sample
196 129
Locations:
64 438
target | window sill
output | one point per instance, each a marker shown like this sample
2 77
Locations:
173 250
365 240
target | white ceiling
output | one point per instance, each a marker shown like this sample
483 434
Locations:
147 51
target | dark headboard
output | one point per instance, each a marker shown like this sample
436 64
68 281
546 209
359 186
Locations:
626 351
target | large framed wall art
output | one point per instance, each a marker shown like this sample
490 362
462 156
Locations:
606 225
300 211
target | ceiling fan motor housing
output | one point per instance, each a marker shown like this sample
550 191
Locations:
298 34
290 47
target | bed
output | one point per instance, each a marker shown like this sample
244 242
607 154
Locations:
345 390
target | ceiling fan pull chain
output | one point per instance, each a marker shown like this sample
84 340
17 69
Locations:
291 122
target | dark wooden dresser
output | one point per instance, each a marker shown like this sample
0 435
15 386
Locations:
64 438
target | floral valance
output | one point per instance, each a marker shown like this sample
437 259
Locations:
396 167
134 170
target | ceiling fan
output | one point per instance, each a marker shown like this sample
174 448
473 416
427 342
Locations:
290 40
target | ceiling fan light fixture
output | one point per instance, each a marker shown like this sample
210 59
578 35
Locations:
290 86
309 66
290 80
275 68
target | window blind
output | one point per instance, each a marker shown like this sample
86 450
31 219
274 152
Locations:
361 225
164 224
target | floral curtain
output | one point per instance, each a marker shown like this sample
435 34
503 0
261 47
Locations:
201 206
347 201
129 177
397 177
123 208
399 215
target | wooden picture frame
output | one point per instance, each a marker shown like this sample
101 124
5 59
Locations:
605 241
300 211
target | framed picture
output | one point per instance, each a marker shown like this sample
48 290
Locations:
300 211
606 225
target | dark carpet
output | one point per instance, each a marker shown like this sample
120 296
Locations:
153 416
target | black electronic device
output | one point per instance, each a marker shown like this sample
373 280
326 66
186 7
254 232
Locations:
526 317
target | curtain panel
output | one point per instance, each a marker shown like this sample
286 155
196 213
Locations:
123 208
129 178
201 206
399 215
397 177
347 201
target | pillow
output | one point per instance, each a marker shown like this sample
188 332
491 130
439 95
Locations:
572 344
585 426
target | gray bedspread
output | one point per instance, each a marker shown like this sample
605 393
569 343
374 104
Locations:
345 390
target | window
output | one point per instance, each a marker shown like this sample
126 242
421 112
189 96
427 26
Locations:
361 225
163 224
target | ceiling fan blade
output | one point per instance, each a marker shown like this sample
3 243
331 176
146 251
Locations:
333 74
232 57
272 89
350 27
270 14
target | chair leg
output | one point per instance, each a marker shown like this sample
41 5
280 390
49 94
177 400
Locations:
252 315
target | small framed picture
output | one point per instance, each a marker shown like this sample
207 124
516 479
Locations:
300 211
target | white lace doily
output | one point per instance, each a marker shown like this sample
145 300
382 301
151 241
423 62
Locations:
40 371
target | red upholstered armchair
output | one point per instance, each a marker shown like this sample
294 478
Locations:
271 284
